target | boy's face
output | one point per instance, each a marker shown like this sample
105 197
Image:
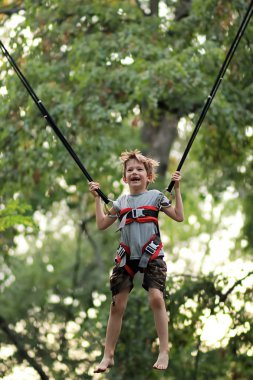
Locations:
136 176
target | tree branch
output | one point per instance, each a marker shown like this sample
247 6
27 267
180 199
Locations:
224 296
11 11
17 341
139 4
93 244
183 9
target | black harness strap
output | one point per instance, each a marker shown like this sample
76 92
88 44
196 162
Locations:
134 214
50 120
217 83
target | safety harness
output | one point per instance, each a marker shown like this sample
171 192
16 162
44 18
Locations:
150 250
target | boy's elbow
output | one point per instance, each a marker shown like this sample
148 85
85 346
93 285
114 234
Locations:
101 227
180 218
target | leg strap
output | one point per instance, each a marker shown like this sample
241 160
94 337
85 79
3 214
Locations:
150 251
121 252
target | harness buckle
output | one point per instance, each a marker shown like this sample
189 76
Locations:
137 213
121 251
151 248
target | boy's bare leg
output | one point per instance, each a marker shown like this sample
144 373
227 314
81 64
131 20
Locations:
161 322
113 330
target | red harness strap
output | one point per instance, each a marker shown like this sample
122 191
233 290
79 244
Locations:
121 251
142 214
150 251
129 270
148 247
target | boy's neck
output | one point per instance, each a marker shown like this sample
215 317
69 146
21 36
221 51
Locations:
137 191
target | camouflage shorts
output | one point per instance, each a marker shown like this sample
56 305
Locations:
154 276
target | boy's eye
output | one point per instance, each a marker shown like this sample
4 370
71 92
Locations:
138 169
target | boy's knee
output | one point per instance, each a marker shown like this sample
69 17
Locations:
156 299
118 305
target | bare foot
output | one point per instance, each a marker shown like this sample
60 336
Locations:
162 361
105 363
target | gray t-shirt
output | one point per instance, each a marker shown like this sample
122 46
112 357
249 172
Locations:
135 235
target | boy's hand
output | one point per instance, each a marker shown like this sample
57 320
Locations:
93 186
176 176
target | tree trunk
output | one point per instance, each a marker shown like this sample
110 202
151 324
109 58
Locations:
154 7
159 136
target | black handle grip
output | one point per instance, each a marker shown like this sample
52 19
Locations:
170 187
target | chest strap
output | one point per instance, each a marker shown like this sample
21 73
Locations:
142 214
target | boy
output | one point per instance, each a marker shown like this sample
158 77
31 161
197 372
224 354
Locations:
140 248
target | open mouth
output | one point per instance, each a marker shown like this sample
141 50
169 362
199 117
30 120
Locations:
135 179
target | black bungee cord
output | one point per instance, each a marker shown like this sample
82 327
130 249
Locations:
50 120
216 85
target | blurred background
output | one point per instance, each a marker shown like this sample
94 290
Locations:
118 75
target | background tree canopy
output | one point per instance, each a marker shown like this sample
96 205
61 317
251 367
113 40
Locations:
119 75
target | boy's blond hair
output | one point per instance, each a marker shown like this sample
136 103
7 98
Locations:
149 163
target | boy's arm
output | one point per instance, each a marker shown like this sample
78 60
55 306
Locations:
103 220
176 212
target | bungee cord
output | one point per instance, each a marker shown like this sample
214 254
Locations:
50 120
216 85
